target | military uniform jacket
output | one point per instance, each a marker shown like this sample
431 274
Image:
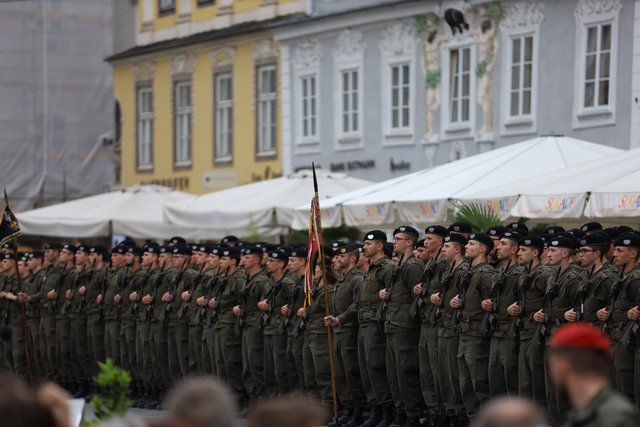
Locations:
287 282
563 293
344 304
295 302
77 309
607 409
202 288
115 285
186 283
5 285
505 299
397 317
229 297
445 321
317 310
13 309
52 280
440 269
146 288
95 288
531 292
68 283
135 283
31 286
627 297
479 287
165 279
256 287
596 294
376 279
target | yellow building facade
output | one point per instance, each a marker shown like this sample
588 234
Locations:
198 94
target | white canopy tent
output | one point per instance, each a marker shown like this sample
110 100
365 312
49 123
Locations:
603 188
423 197
135 212
261 205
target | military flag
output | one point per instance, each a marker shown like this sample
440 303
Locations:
9 227
315 244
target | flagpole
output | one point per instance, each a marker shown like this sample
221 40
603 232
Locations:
326 301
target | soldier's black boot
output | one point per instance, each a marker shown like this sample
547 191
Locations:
375 415
344 417
454 421
400 418
356 418
387 416
445 420
413 422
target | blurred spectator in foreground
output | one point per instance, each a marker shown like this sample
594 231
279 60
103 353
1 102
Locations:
19 408
200 402
511 412
294 411
580 362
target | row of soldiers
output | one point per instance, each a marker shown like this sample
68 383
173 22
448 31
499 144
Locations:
423 328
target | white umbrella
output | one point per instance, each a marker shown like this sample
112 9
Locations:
265 204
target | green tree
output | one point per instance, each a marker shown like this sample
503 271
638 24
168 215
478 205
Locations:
113 385
477 215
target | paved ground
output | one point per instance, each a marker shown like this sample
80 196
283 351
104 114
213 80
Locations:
143 414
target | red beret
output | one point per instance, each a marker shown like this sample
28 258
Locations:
583 336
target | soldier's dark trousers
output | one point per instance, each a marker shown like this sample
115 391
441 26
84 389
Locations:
294 361
531 371
47 344
95 342
253 361
372 343
80 349
143 359
158 351
128 347
275 365
34 340
624 364
209 359
432 392
317 371
195 349
345 343
473 368
557 406
178 341
63 348
403 370
6 356
19 353
448 375
112 340
503 366
229 355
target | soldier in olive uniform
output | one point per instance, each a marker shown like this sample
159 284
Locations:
625 292
403 331
529 296
275 343
135 276
14 353
247 311
432 392
371 337
63 321
99 259
344 321
31 286
473 348
110 300
562 287
503 351
228 344
297 266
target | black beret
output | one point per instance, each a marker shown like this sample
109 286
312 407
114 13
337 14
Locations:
482 238
135 250
545 237
519 227
37 254
496 231
460 227
71 248
591 226
177 240
420 243
252 250
554 229
82 248
279 255
23 256
98 249
202 248
119 249
230 239
388 249
438 230
597 238
166 249
8 256
152 248
532 242
407 230
336 244
360 247
182 250
217 250
376 235
629 240
512 235
624 229
612 232
194 247
9 245
456 238
576 232
53 245
562 242
231 252
346 249
298 252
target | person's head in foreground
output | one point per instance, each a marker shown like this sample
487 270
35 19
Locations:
294 411
511 412
580 366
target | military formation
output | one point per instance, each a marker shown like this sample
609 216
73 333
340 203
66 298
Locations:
425 330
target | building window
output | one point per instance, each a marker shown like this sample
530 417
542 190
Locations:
205 2
266 110
166 6
309 107
459 85
145 128
223 117
597 66
521 76
400 105
350 80
182 124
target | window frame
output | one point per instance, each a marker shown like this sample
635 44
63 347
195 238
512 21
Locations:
227 104
149 116
405 134
458 129
353 138
163 11
310 138
269 152
182 163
